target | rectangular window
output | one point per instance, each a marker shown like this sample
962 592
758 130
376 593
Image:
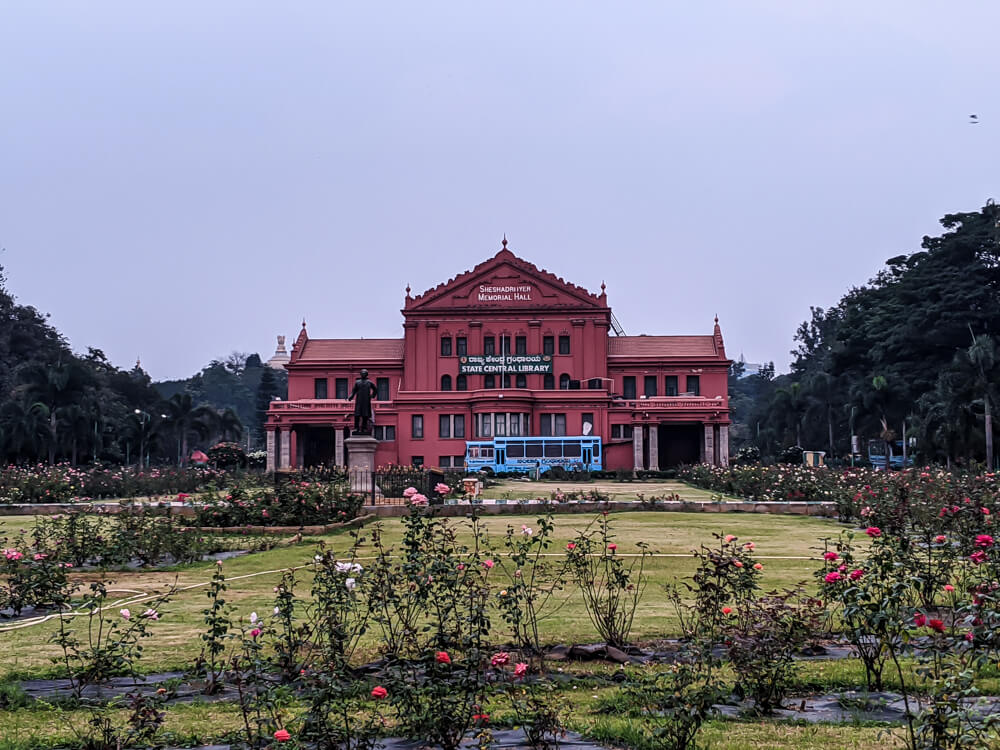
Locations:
505 344
520 345
552 425
461 346
459 430
515 424
340 388
417 426
446 346
489 345
489 381
382 386
616 432
458 462
500 425
385 432
628 386
444 462
521 381
671 389
594 384
506 380
549 381
649 385
319 387
417 461
548 345
694 385
587 424
545 425
486 425
564 344
444 425
627 431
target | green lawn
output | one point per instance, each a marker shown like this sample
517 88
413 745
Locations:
786 545
523 489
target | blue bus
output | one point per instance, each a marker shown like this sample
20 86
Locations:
526 454
877 449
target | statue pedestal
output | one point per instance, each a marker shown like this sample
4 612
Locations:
361 463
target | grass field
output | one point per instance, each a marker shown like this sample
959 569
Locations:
786 545
521 489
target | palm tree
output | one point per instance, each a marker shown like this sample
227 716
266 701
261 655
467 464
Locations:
186 420
229 424
56 386
24 427
979 364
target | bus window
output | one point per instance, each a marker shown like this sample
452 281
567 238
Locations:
571 449
533 450
553 449
515 450
473 451
597 450
487 451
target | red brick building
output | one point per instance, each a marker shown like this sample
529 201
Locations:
655 401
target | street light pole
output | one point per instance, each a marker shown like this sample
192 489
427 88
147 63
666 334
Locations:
143 418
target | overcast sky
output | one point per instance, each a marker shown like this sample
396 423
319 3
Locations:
182 179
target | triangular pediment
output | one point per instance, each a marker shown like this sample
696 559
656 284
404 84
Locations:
505 282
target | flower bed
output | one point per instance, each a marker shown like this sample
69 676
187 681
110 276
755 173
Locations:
292 503
62 483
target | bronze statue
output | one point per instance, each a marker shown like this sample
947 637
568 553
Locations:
364 389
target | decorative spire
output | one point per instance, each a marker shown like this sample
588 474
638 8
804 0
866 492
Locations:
407 291
303 324
717 319
504 243
603 287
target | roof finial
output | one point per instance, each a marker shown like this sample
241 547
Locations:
603 287
504 241
303 324
407 290
717 319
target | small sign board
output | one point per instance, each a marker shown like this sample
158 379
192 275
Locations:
495 364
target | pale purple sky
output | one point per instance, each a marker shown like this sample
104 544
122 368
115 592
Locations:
181 179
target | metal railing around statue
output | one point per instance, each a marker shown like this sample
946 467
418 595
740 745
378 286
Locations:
386 485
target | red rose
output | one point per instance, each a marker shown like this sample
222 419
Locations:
936 625
379 692
873 531
442 657
919 620
282 735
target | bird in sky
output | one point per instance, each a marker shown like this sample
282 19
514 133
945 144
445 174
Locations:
973 119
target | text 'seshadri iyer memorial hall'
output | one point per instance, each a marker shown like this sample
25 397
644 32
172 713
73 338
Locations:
507 349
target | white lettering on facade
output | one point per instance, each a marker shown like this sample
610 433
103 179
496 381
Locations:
497 293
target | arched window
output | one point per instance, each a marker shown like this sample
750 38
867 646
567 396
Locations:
446 382
461 383
564 382
549 381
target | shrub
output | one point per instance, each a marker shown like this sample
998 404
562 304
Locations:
611 588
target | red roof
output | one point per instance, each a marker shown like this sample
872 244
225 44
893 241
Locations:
352 349
662 346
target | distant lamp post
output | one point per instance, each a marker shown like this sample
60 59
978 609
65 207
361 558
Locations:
143 419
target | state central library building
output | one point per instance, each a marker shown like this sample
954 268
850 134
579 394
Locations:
507 349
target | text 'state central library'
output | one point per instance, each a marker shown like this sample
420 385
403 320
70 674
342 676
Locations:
507 349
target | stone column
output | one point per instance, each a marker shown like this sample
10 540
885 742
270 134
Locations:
637 447
654 447
724 445
709 449
271 463
285 449
338 446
